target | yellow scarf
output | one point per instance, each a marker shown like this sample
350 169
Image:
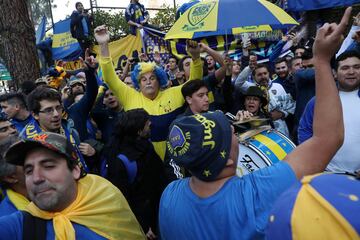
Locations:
19 201
99 206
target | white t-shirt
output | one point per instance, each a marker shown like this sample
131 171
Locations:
281 101
347 159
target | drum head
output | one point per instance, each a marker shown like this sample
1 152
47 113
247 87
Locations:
262 150
250 160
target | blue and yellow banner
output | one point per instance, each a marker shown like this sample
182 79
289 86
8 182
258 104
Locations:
121 50
64 47
154 41
41 30
262 44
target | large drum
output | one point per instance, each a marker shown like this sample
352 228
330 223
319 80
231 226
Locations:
262 150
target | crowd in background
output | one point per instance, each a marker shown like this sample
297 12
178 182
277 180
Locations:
119 126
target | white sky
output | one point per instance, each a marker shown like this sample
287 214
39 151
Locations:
65 7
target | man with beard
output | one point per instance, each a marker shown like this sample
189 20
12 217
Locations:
66 204
284 77
280 105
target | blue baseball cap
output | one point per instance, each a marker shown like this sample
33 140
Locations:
201 143
323 206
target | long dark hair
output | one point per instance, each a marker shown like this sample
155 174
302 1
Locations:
127 129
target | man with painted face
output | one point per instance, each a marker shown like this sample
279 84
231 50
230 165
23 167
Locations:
66 204
149 80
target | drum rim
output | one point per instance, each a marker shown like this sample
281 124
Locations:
261 154
285 137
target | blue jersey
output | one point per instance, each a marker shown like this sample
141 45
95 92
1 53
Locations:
20 124
239 210
135 12
7 207
11 227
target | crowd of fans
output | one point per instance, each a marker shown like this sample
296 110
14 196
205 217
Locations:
148 125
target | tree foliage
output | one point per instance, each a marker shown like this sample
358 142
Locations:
115 20
164 18
39 8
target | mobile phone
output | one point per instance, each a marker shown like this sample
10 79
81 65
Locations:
245 38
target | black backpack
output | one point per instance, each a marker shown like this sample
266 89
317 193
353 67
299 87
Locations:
34 228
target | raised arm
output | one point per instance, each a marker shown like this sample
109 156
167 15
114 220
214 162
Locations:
241 80
219 73
115 84
314 154
196 65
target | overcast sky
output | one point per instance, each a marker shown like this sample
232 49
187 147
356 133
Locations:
65 7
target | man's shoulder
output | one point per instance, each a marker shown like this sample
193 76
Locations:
30 130
175 189
277 80
74 14
177 185
6 207
304 73
11 226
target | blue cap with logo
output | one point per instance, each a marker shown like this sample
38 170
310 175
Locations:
201 143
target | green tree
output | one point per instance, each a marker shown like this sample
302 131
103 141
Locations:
114 20
164 18
39 8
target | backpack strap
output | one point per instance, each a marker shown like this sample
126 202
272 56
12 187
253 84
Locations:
131 167
34 228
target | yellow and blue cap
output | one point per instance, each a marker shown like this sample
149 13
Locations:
324 206
201 143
